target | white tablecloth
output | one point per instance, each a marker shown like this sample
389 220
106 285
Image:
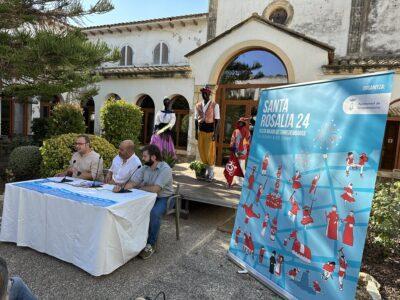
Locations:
94 229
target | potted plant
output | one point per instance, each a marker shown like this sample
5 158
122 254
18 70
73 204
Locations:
169 159
199 168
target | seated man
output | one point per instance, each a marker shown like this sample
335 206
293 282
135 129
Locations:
155 177
85 162
12 288
124 164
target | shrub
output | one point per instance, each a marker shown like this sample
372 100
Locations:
19 141
57 152
169 158
66 118
120 121
24 163
384 225
40 129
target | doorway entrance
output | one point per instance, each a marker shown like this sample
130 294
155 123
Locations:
391 145
147 105
239 88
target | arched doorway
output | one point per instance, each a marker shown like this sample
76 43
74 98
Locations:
113 96
88 114
147 105
180 131
390 156
239 86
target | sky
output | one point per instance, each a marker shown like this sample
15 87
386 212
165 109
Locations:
136 10
271 65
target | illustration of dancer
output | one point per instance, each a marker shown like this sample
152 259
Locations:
261 255
264 165
296 181
294 209
237 234
252 178
265 224
274 229
314 183
349 162
361 162
272 262
332 223
348 236
347 196
328 269
342 268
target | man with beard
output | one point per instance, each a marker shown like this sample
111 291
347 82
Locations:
155 177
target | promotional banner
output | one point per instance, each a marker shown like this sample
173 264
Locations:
310 177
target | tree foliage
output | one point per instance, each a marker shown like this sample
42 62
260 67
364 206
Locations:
40 54
66 118
237 70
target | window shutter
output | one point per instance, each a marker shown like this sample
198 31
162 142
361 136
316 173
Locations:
164 53
129 58
122 60
156 55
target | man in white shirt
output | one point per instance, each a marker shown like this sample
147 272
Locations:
124 164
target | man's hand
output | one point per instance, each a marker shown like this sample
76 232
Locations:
60 175
117 188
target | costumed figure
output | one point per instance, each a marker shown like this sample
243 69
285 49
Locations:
264 165
349 162
314 183
252 121
342 268
293 273
207 116
332 223
296 181
274 229
316 287
279 265
265 224
328 270
261 255
162 135
274 199
248 245
347 196
252 178
299 249
361 162
348 235
248 211
240 145
237 234
272 262
307 218
294 208
259 193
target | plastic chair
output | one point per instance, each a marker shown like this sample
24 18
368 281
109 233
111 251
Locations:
174 206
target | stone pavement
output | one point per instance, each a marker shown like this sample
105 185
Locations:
195 267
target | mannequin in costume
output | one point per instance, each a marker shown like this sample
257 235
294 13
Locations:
207 117
240 144
163 124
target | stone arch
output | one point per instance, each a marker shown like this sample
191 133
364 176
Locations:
114 95
279 5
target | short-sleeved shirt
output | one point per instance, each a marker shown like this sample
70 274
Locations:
161 176
121 171
88 163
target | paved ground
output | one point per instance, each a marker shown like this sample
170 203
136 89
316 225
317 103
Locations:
195 267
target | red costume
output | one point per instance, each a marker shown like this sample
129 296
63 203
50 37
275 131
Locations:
278 265
348 237
259 193
237 233
342 267
316 287
348 194
248 210
265 224
294 209
332 225
328 269
264 165
248 245
363 159
251 181
296 181
307 219
293 273
314 183
261 255
299 249
274 229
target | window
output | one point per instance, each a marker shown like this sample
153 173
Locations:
126 56
279 16
280 12
160 54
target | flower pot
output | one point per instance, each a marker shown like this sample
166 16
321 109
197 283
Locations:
200 173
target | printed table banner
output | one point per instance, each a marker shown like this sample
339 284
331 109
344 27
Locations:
303 214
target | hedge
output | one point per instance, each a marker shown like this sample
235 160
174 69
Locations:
24 163
66 118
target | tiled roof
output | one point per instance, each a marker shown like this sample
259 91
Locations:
147 70
169 19
363 63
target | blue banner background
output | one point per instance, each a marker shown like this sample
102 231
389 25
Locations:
326 138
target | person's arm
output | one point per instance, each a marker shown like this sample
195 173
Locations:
151 188
108 178
70 170
135 182
161 181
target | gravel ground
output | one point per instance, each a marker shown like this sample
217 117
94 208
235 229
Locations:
195 267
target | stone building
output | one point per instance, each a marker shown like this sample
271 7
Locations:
275 41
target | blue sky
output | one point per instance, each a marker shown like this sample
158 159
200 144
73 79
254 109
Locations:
271 65
135 10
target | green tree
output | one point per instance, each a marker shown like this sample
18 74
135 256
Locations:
66 118
40 54
237 70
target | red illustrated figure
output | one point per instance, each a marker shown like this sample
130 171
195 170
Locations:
307 219
265 224
259 193
252 178
342 268
248 245
299 249
348 194
264 165
316 287
296 181
248 210
361 162
314 183
279 265
349 162
294 208
274 229
328 269
274 199
237 234
332 223
261 255
293 273
348 237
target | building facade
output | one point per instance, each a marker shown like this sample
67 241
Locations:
239 47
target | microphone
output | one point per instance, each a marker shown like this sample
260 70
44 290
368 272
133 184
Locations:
94 183
64 180
123 190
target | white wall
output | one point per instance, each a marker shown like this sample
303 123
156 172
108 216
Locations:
180 40
325 20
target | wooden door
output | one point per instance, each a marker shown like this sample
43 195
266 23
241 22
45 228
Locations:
390 146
